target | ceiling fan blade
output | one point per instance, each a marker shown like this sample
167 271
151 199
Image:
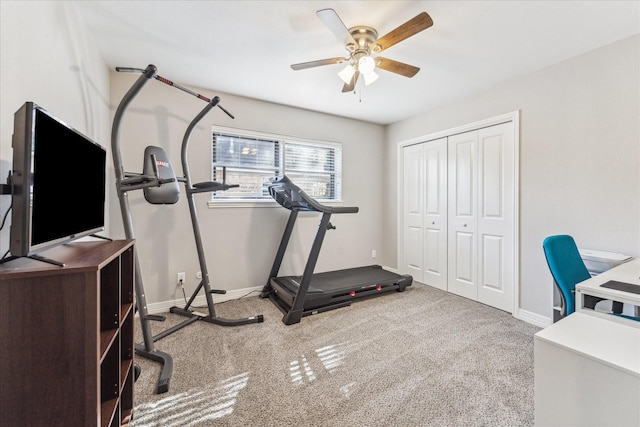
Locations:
397 67
349 87
311 64
335 24
413 26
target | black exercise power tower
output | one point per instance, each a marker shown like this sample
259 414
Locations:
160 185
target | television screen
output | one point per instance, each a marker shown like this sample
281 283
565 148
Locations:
58 182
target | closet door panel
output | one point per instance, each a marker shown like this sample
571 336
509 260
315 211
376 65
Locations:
465 258
496 207
413 196
463 178
413 252
435 261
462 215
492 170
435 219
491 266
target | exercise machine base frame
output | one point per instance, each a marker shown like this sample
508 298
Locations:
165 359
215 319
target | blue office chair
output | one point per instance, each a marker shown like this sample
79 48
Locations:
567 268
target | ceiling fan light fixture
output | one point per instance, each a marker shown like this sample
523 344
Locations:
370 78
347 73
366 64
363 41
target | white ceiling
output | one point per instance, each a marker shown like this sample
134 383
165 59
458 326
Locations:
246 47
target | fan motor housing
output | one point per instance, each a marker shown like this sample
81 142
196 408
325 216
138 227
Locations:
364 35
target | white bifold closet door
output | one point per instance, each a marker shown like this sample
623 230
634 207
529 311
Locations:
425 212
481 168
413 211
458 214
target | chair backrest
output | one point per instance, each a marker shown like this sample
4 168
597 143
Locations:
567 267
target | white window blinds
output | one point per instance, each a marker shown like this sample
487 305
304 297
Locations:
252 159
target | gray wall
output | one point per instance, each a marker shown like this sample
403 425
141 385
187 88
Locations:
47 56
240 242
579 157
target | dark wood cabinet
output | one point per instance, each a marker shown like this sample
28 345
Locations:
66 337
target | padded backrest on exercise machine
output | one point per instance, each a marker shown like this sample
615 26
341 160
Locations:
167 193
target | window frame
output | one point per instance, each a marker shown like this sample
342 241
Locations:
283 140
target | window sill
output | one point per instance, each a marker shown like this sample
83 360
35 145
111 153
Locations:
217 204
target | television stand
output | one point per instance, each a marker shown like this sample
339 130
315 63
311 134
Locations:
83 315
47 260
97 236
34 257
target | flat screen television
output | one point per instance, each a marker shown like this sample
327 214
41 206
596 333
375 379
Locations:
57 183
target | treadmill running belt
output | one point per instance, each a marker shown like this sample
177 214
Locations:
351 278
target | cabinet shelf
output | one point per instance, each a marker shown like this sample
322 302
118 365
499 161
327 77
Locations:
66 342
108 411
124 310
106 341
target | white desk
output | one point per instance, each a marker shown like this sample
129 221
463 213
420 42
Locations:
587 373
628 272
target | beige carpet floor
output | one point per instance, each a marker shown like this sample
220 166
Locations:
422 357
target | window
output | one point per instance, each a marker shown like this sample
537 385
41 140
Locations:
251 159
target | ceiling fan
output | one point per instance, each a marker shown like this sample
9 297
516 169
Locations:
362 42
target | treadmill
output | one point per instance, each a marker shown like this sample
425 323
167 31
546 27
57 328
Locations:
299 296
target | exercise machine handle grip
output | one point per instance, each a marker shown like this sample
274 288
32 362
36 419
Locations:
129 70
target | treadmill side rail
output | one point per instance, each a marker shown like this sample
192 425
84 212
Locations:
405 281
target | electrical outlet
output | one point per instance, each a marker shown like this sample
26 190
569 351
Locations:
182 278
199 275
373 253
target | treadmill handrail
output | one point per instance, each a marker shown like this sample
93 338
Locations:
292 197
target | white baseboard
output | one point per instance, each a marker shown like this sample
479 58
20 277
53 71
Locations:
533 318
391 269
164 306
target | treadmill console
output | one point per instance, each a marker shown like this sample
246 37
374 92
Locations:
292 197
288 195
